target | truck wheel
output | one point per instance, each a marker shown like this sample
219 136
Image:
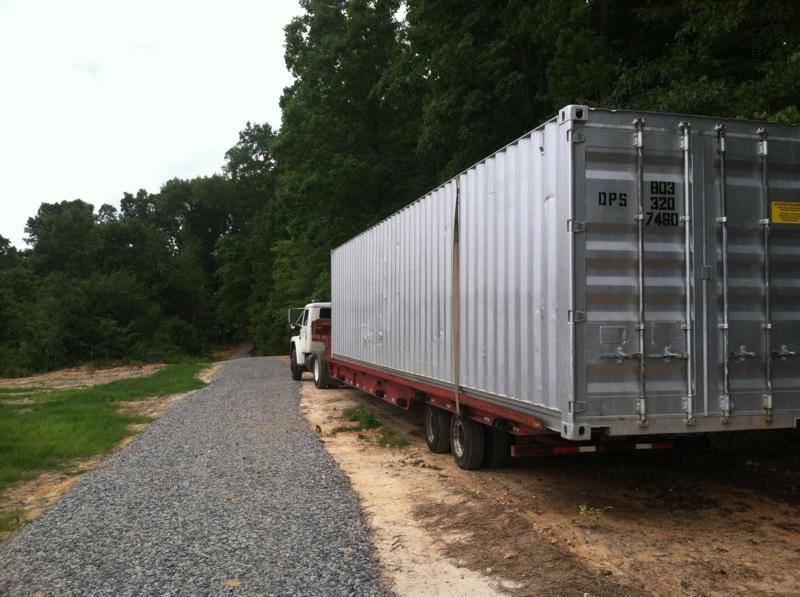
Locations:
496 448
319 367
466 440
297 370
437 429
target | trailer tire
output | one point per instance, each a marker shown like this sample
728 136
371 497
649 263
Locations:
497 446
319 367
437 429
467 443
297 369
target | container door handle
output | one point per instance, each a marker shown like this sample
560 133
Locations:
743 353
620 355
784 353
668 354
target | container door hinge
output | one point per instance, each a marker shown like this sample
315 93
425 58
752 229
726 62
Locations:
726 407
577 406
576 316
575 226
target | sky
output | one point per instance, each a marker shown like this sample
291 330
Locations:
100 97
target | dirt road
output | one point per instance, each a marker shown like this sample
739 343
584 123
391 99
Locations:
717 520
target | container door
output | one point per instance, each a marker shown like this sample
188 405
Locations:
763 288
783 188
636 351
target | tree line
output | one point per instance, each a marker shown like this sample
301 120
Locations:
389 98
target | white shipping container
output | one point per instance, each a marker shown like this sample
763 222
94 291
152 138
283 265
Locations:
637 273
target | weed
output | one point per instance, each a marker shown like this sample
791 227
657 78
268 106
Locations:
344 429
366 419
389 438
585 512
363 416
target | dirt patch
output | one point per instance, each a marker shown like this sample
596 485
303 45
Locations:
79 377
434 535
152 407
707 521
240 350
208 374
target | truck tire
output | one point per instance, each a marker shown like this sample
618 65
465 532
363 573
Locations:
467 443
297 369
437 429
319 367
496 449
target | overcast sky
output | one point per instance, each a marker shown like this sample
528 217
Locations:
99 97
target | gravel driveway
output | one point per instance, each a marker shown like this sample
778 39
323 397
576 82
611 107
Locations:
229 491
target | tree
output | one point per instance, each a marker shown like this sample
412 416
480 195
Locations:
63 238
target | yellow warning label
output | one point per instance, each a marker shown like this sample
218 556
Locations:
784 212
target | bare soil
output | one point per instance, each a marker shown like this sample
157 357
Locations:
714 520
233 352
78 377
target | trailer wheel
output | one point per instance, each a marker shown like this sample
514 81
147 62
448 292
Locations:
497 445
466 440
297 370
319 367
437 429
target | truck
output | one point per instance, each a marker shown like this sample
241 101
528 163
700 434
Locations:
610 280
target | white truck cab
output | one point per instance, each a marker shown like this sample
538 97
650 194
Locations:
302 347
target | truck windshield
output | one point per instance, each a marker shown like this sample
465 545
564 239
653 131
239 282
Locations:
325 313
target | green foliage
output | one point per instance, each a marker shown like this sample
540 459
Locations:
380 111
588 512
389 438
360 414
42 430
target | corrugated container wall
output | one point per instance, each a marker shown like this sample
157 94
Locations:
391 290
635 272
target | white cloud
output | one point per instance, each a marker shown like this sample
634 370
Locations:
98 97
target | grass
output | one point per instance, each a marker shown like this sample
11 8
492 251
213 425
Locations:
365 419
389 438
9 520
360 414
44 430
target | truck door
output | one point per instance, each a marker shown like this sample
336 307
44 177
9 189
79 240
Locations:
305 332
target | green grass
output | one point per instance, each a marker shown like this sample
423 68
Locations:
55 427
360 414
389 438
10 520
365 419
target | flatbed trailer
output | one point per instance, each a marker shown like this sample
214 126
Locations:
508 434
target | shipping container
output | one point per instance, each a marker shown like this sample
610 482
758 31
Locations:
610 272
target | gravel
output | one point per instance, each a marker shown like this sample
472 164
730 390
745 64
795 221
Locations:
228 492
